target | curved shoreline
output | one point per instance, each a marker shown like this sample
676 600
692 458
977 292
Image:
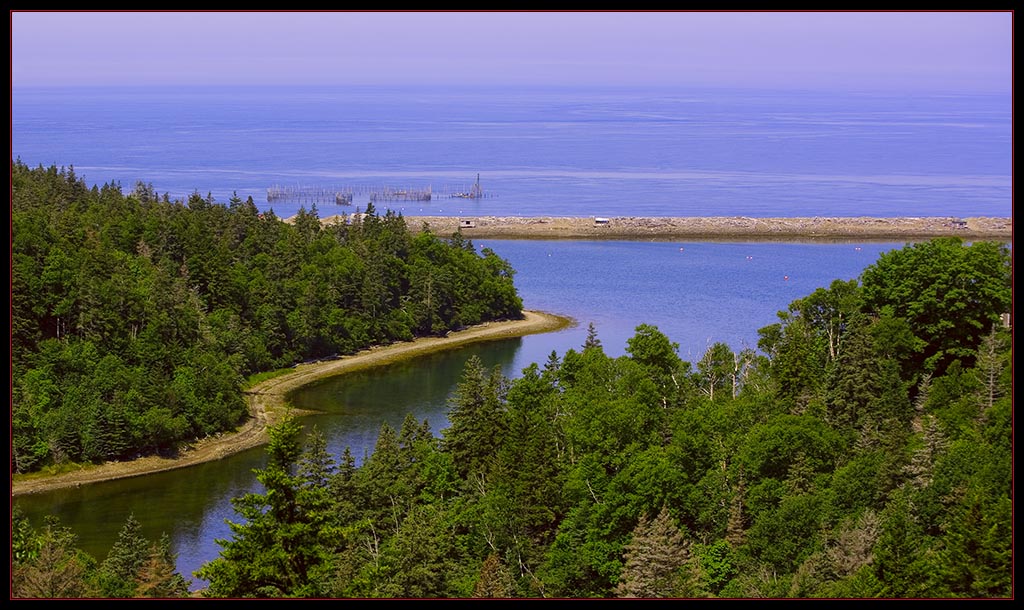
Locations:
725 228
268 402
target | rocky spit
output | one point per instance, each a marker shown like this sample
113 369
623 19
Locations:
715 228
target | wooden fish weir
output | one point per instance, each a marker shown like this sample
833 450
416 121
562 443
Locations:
473 192
345 195
390 194
310 195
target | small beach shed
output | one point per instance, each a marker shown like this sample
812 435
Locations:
467 223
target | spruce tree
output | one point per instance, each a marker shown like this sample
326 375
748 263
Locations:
654 557
476 418
279 549
495 581
55 568
119 572
157 577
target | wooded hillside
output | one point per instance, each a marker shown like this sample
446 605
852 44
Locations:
136 319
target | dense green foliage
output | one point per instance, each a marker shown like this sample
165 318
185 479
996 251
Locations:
134 319
862 454
46 563
864 451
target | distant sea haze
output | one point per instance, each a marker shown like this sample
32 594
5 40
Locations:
564 152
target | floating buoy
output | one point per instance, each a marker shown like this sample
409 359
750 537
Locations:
785 277
680 249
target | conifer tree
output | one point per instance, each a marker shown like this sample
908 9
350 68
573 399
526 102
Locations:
736 525
279 550
654 557
899 556
977 555
119 572
55 568
495 581
384 483
592 341
158 577
476 418
990 367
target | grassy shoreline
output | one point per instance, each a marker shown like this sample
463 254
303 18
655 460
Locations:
269 403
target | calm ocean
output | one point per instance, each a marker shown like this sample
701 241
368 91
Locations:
564 152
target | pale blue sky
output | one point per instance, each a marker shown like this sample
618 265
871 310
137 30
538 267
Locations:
951 51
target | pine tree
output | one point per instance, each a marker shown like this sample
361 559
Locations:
736 526
55 570
495 581
316 466
526 471
279 550
476 418
592 342
921 467
157 576
990 367
653 559
418 560
119 572
977 557
900 553
384 486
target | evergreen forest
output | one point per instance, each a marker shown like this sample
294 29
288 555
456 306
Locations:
863 450
136 320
